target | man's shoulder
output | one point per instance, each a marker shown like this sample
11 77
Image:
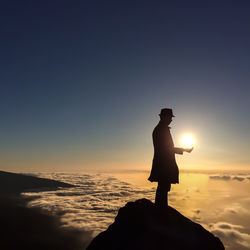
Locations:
161 128
157 127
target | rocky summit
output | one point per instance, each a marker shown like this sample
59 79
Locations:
141 225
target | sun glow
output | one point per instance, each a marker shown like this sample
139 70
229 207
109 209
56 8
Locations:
187 141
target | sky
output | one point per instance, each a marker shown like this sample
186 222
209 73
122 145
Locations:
83 82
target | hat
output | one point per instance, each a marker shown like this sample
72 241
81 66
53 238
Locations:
167 112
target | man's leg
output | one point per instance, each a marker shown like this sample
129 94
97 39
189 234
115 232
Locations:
161 197
168 187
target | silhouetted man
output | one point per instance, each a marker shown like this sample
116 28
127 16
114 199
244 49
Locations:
164 169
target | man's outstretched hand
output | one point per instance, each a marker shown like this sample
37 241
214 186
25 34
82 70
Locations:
189 150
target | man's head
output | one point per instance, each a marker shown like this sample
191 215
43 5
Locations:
166 115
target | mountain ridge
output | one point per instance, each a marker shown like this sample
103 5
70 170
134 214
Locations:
141 225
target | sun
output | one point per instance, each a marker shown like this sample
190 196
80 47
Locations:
187 141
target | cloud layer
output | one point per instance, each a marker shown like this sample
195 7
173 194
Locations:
93 204
229 232
229 177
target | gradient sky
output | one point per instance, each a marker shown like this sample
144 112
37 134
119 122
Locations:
83 82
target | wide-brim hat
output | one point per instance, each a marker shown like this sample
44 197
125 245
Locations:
167 112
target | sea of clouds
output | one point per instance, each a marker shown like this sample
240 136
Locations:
96 198
92 204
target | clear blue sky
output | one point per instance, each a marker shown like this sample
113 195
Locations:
82 82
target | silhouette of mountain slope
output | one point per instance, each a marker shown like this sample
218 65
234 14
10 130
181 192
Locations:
140 225
12 182
26 228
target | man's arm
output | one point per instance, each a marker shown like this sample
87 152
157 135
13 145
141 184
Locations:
181 150
178 151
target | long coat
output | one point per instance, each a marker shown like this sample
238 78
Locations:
164 167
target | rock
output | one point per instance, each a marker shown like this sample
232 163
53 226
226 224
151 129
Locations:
141 225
